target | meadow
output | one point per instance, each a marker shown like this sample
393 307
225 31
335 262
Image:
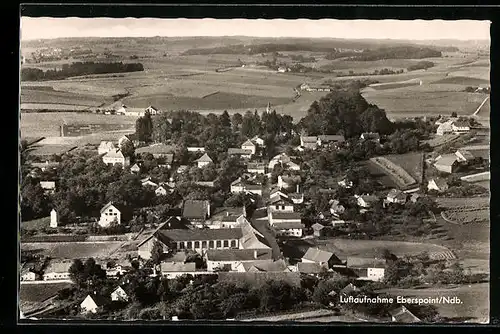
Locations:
40 292
72 250
412 163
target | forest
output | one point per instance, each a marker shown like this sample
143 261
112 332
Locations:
77 69
398 52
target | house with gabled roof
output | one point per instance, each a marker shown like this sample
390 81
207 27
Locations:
403 315
280 203
322 257
287 224
231 258
464 156
171 270
348 289
396 196
330 140
105 147
109 214
311 268
119 295
258 141
152 110
243 153
369 269
256 167
366 201
93 302
203 160
309 142
437 184
446 163
114 157
196 210
249 146
288 181
57 270
318 230
135 169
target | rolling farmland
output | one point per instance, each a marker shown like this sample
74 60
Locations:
71 250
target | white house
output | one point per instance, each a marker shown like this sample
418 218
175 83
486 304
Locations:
367 268
248 145
204 160
195 149
446 163
280 203
53 218
286 182
116 157
119 295
152 110
366 201
258 141
160 191
437 184
460 126
237 186
148 183
105 147
287 228
396 196
309 142
231 258
464 155
57 270
92 303
109 214
135 169
321 257
49 187
256 167
444 128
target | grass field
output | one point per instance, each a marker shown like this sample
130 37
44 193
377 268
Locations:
40 292
43 150
369 248
467 216
474 202
36 224
72 250
47 96
474 306
464 81
412 163
47 124
395 85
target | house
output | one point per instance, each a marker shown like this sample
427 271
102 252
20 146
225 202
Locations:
480 152
251 238
92 303
146 182
366 201
105 147
228 260
282 69
367 268
53 218
196 210
288 181
437 184
204 160
158 151
171 270
57 270
338 222
152 110
119 295
199 240
116 157
464 156
446 163
280 203
444 128
131 138
256 167
319 230
237 186
460 126
330 140
195 149
49 187
348 290
296 197
161 191
414 197
247 154
182 169
374 136
281 217
253 189
135 169
304 86
287 224
277 191
258 141
402 314
28 274
321 257
165 161
309 142
345 183
281 159
336 209
249 146
396 196
262 266
109 214
311 268
208 184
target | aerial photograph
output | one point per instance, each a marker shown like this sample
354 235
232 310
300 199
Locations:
254 170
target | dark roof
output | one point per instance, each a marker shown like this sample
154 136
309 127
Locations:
167 159
238 254
327 138
233 150
317 227
98 299
280 200
402 314
360 262
287 225
349 288
156 149
195 209
199 234
204 158
310 268
318 255
285 215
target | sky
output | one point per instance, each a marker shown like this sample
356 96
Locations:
44 27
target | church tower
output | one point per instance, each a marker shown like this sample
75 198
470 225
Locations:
268 109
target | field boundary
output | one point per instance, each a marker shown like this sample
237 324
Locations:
401 176
208 95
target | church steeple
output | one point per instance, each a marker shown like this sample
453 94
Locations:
268 109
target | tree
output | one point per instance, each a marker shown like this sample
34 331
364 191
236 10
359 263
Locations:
157 252
76 271
127 148
144 128
454 114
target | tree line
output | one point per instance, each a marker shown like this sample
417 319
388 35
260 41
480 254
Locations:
397 52
77 69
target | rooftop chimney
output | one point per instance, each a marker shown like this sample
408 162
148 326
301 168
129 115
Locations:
255 254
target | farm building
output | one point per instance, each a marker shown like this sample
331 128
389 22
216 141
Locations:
199 240
396 196
481 152
195 149
228 260
249 145
157 150
105 147
402 314
321 257
131 138
152 110
309 142
204 160
119 295
258 141
92 303
367 268
196 210
336 208
446 163
171 270
348 289
464 156
287 224
57 270
370 136
444 128
460 126
247 154
135 169
267 266
109 214
256 167
437 184
330 140
311 268
49 187
280 203
116 157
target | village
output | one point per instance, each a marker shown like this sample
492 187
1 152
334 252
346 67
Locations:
257 237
